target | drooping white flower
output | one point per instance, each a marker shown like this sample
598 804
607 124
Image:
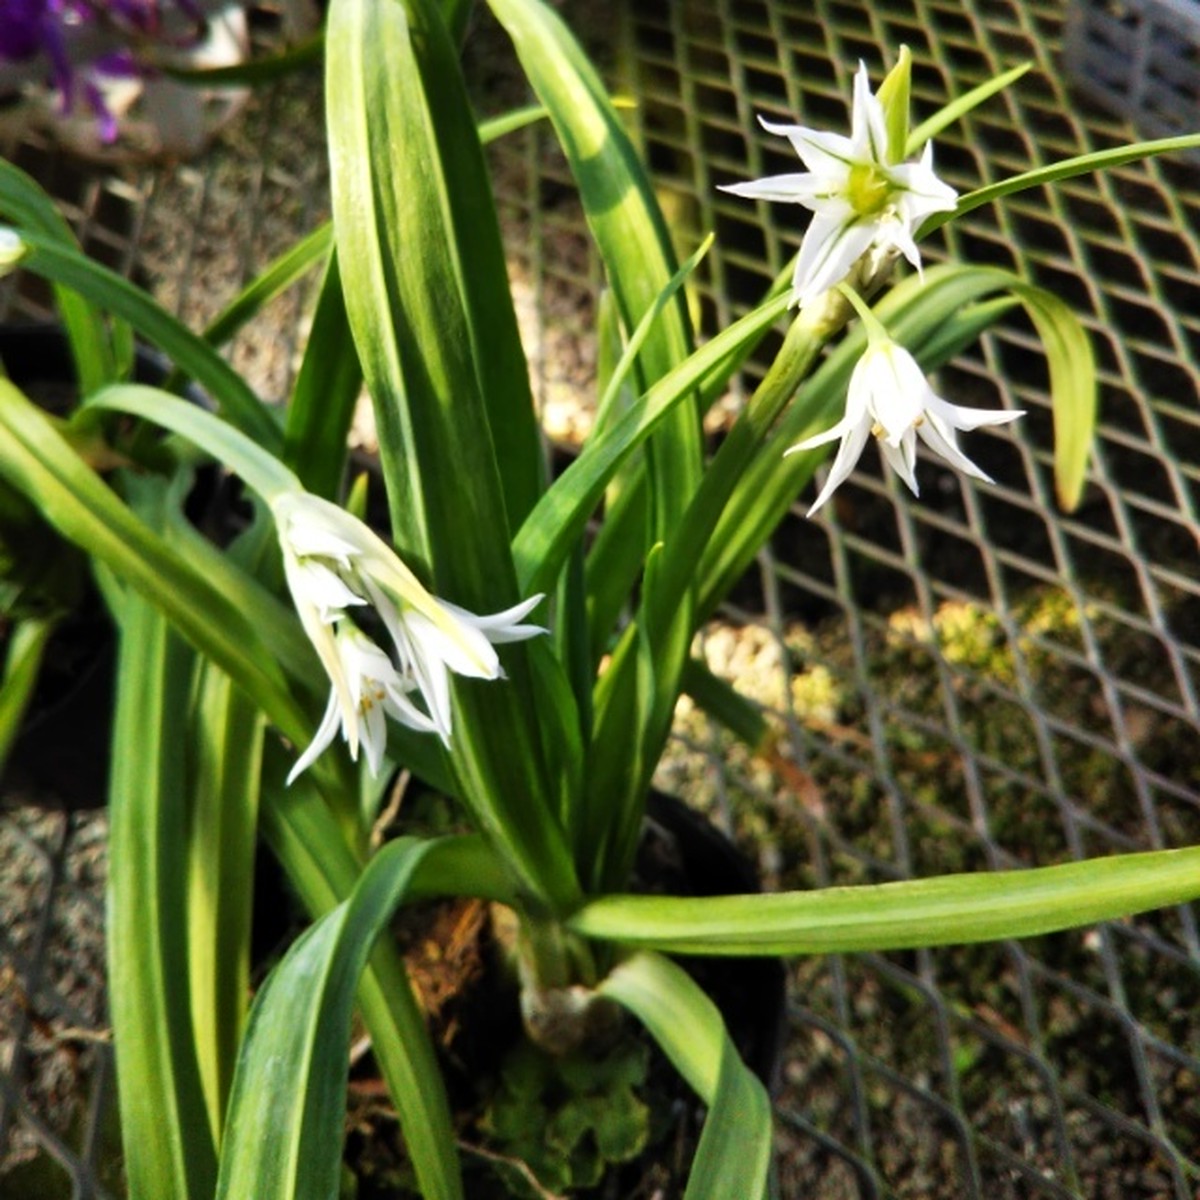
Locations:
429 645
890 397
862 201
369 687
334 564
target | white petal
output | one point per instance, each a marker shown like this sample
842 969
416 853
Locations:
373 731
892 231
867 124
464 649
971 418
321 739
402 709
888 383
313 583
940 440
830 155
828 253
922 191
849 452
799 188
830 435
902 459
503 626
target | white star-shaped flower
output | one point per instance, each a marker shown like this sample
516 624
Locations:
862 202
374 688
890 397
334 564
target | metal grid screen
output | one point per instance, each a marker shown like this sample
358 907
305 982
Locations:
975 680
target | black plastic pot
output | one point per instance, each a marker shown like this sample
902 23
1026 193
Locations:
683 854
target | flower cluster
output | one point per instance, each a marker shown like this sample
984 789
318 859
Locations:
868 205
335 565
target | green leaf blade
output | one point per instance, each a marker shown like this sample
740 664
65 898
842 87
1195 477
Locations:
164 1123
288 1103
734 1153
432 318
947 910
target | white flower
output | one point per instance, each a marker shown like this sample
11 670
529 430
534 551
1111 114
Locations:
12 249
890 397
369 686
862 202
334 564
429 645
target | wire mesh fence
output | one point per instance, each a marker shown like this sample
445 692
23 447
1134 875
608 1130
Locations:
974 680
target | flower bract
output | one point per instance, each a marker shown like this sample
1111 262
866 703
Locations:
890 397
862 202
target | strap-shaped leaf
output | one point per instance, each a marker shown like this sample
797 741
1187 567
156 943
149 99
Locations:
1082 164
1072 386
24 202
627 223
164 1125
734 1154
325 394
631 234
287 1110
430 307
557 522
226 737
191 354
36 459
943 911
433 322
27 641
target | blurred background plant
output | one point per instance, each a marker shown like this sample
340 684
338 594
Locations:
107 77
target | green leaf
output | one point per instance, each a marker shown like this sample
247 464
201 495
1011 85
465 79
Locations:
625 219
35 459
287 1111
191 354
1067 168
255 72
27 641
734 1154
432 318
258 467
960 106
721 701
435 328
326 391
1072 386
24 202
226 737
275 279
947 910
563 511
164 1124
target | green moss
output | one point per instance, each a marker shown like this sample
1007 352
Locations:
569 1119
